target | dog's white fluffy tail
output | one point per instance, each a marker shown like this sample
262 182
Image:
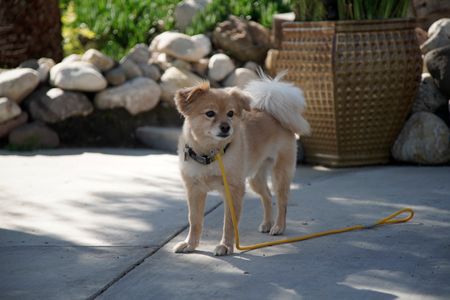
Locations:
284 101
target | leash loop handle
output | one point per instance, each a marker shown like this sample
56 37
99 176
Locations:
391 219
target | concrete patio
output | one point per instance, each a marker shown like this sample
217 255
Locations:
101 224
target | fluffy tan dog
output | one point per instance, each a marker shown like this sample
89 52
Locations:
256 130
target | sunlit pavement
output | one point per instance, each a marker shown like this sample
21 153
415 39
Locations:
101 223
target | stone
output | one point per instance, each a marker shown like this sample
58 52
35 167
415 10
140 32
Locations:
200 67
159 138
150 71
139 54
240 77
131 69
174 79
102 61
16 84
9 109
181 64
251 65
203 43
243 40
421 35
438 64
220 66
116 76
32 136
72 57
44 66
8 126
77 76
30 63
438 36
186 10
428 97
426 12
162 60
178 45
51 105
137 95
425 139
443 112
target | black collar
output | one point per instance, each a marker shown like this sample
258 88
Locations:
202 159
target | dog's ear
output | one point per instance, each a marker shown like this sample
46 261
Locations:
243 99
184 97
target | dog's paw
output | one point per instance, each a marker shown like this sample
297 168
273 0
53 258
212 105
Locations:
183 247
264 227
276 229
222 250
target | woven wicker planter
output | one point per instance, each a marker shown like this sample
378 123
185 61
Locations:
359 79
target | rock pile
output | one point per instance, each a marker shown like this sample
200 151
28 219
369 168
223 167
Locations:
425 138
51 96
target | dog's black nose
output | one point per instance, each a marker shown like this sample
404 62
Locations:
224 127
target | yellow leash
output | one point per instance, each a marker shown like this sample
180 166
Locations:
385 221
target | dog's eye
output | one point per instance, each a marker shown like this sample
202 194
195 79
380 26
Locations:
230 114
210 114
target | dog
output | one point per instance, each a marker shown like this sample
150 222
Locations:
255 130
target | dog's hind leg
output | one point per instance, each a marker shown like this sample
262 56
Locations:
196 203
258 183
282 174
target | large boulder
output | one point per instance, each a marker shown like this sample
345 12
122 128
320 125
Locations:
16 84
438 36
32 136
8 126
174 79
131 69
77 76
428 97
139 54
52 105
203 43
425 139
243 40
8 109
240 77
44 66
150 71
219 66
116 76
186 10
438 64
178 45
136 96
159 138
102 61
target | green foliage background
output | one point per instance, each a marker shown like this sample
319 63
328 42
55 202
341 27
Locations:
114 26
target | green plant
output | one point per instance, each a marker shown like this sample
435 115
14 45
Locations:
117 25
309 10
217 11
372 9
318 10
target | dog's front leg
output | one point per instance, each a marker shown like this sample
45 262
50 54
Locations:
196 204
226 245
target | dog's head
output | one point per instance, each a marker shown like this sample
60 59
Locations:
213 114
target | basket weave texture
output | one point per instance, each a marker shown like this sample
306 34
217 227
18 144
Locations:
359 78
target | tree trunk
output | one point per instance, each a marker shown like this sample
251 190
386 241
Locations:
29 29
